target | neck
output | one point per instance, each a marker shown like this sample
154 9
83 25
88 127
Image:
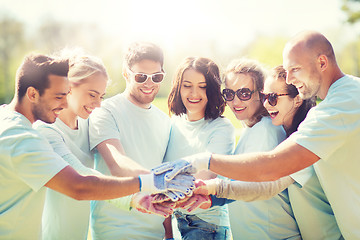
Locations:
192 117
23 107
69 118
331 76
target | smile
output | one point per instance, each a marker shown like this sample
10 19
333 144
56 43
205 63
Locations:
147 91
88 110
239 109
194 100
273 114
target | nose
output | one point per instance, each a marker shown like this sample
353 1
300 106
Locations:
289 78
64 103
97 103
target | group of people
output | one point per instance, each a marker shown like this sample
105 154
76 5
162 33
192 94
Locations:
292 174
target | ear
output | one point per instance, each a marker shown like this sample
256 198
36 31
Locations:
298 101
32 94
323 62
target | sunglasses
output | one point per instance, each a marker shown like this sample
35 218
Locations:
244 94
142 77
271 97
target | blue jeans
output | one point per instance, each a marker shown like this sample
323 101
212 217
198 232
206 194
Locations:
191 227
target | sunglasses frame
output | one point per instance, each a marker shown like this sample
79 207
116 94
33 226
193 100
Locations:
266 96
147 76
237 93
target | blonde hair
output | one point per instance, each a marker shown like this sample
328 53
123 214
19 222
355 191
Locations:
82 66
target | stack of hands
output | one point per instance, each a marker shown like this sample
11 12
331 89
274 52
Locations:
173 186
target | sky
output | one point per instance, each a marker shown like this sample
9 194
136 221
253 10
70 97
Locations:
228 23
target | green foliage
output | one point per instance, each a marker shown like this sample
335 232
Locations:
352 10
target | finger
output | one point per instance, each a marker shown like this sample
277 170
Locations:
199 201
177 168
160 197
160 210
173 196
189 202
201 191
179 188
162 168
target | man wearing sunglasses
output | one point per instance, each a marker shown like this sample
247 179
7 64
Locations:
130 136
328 138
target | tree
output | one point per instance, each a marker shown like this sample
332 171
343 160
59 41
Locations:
11 45
352 10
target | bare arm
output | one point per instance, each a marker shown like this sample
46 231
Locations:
79 187
287 158
120 165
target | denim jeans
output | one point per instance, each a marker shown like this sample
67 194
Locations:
191 227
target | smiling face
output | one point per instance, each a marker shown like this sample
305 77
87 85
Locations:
84 97
142 94
301 71
193 94
243 110
283 112
48 106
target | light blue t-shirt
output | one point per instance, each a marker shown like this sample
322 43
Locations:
27 163
144 135
265 219
311 207
64 217
188 138
331 130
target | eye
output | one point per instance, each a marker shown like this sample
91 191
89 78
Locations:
186 86
59 98
91 95
295 69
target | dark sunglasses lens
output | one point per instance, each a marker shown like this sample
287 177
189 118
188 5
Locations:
140 78
244 94
158 77
272 98
228 94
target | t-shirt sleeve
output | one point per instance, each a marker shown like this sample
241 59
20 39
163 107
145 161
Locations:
102 126
328 125
222 141
34 159
55 139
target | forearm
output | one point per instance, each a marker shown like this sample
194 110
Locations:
119 164
284 160
251 191
79 187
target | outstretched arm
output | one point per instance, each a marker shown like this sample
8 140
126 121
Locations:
287 158
119 164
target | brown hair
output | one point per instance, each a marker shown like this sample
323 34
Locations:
35 70
254 69
216 105
143 50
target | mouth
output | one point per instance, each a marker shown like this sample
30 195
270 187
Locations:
147 91
194 100
88 110
57 112
239 109
273 114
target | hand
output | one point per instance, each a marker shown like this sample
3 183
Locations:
206 187
187 165
168 196
194 202
158 184
143 203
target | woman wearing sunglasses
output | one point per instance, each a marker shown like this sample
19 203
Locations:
197 125
311 208
264 219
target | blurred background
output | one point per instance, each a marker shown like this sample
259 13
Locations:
221 30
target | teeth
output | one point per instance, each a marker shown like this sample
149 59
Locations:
147 91
194 101
239 109
88 109
57 112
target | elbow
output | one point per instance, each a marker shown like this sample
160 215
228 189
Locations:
81 189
